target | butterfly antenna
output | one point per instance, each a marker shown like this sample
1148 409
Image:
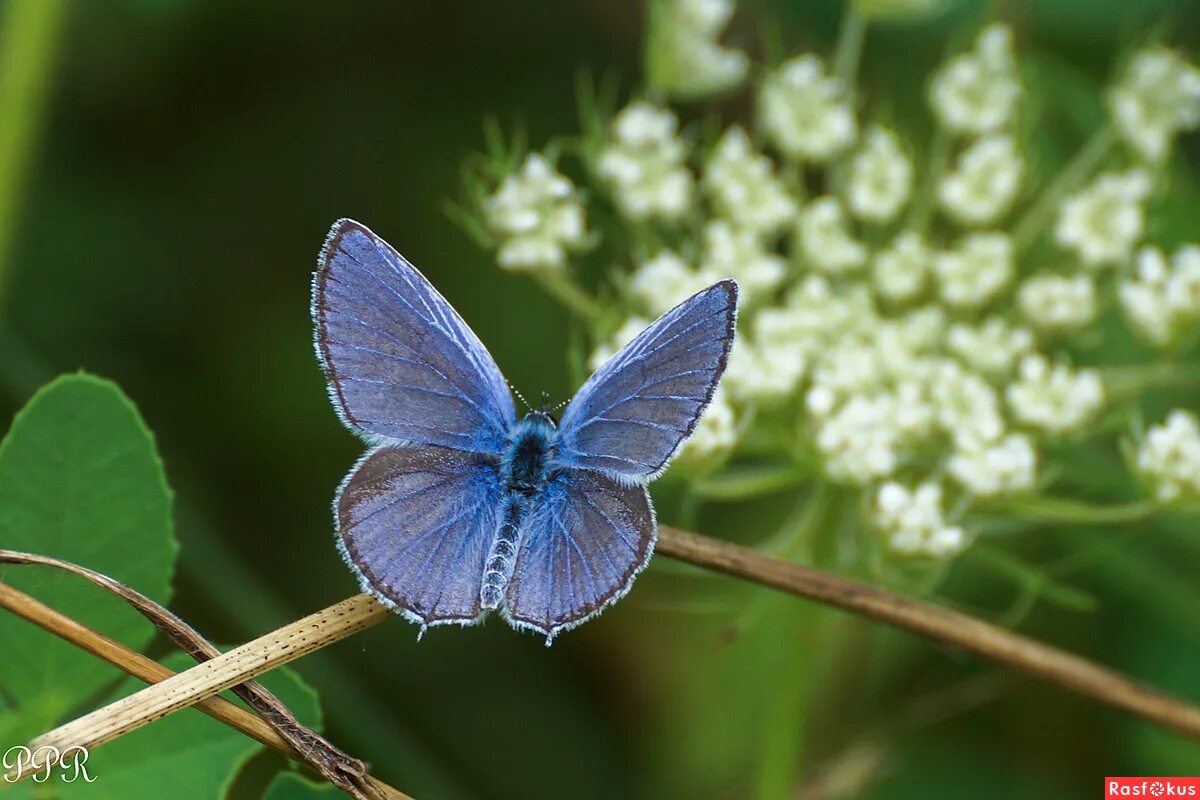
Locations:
560 406
520 396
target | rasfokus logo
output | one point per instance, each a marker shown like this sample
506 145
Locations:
1151 787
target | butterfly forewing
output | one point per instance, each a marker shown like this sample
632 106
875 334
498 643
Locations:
583 541
401 363
415 524
635 411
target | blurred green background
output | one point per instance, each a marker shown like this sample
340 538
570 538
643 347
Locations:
188 159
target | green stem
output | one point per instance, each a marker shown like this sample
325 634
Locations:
921 211
792 663
1037 582
847 52
1039 216
566 291
1075 512
847 55
744 484
1123 382
29 36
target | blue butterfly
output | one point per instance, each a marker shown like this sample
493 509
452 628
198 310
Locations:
459 508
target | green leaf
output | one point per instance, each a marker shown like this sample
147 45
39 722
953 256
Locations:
188 752
290 786
80 479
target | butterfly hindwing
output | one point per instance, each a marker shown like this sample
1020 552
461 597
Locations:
584 538
401 363
635 411
415 524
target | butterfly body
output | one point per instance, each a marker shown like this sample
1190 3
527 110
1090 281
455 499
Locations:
460 508
529 459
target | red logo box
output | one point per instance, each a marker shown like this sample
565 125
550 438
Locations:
1118 788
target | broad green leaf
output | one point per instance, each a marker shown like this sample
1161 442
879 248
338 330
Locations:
290 786
185 756
80 479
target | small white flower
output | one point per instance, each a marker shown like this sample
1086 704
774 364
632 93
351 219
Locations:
805 112
991 347
715 433
666 280
1161 301
913 522
1058 302
990 469
765 370
625 334
743 186
825 239
985 182
1157 97
881 176
859 441
1169 457
966 406
739 254
684 56
974 272
816 315
900 271
1103 223
536 215
646 164
1055 399
977 92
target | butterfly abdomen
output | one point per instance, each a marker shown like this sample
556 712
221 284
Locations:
502 556
524 470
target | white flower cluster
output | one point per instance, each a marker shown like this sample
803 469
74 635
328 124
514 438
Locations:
913 523
881 177
1053 397
1162 300
984 184
1102 224
684 57
1157 97
973 273
825 238
1169 457
646 164
666 280
909 330
1058 302
536 215
977 92
900 272
743 187
730 252
805 111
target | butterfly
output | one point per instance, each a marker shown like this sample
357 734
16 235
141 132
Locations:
459 508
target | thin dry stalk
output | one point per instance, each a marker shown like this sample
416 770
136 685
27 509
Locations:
356 613
150 671
206 679
1069 671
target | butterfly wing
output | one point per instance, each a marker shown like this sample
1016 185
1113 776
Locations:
401 363
415 524
634 412
583 540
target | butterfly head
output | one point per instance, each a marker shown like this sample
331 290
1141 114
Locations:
542 416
